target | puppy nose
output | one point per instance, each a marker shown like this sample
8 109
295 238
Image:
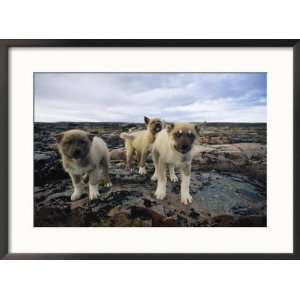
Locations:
77 152
185 146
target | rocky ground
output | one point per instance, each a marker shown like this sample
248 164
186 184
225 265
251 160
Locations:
228 182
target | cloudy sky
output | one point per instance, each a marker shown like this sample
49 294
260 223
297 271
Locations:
127 97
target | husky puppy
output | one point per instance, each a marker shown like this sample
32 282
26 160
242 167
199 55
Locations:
172 148
86 158
140 143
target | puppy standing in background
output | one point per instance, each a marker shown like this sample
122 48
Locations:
84 154
172 148
140 143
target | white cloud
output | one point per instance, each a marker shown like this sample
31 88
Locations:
127 97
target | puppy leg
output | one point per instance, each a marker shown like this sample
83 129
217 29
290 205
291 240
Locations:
160 192
155 157
105 165
129 156
137 155
173 176
142 168
94 178
186 198
78 187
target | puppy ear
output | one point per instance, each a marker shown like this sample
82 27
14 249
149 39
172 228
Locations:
91 136
169 126
146 119
59 137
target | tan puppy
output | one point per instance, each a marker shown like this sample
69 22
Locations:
84 154
172 148
118 154
140 143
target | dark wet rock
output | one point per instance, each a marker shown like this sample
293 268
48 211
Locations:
47 165
228 182
248 159
194 214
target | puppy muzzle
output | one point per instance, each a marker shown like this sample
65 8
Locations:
77 154
158 128
183 148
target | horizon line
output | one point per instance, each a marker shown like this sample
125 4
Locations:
207 122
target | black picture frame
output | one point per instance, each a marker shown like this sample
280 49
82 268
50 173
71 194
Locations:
5 45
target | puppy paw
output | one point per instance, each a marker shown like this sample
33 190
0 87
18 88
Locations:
174 178
142 171
154 177
93 193
129 170
160 194
186 199
108 184
128 167
76 195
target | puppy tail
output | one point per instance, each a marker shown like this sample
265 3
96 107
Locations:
126 136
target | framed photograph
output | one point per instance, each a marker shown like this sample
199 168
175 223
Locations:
149 149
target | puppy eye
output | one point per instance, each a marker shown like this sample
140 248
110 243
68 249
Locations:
178 133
